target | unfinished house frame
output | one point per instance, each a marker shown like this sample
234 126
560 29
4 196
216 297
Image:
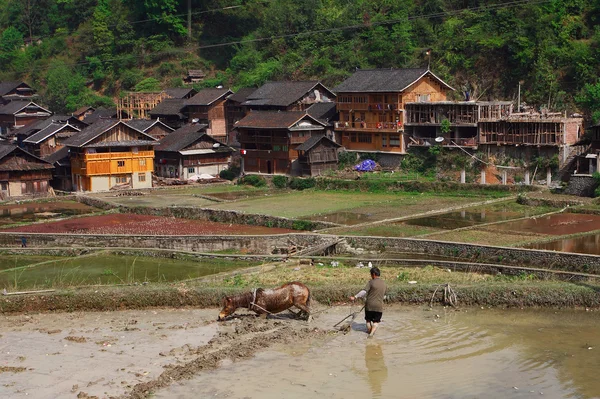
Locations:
138 105
424 121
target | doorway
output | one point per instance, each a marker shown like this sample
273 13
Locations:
269 168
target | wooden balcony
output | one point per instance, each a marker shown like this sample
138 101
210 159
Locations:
428 142
367 106
266 154
117 155
369 126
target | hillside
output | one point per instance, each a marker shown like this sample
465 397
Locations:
85 52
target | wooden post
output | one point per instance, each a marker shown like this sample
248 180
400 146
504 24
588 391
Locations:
548 176
483 177
463 176
504 177
527 180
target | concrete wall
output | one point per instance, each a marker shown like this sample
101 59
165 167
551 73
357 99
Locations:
136 183
14 188
101 183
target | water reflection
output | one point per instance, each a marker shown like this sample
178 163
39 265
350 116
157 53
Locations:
459 219
377 371
589 244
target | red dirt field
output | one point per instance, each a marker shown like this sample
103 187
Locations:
144 225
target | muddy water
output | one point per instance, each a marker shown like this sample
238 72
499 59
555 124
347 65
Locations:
31 212
455 220
557 224
470 354
589 244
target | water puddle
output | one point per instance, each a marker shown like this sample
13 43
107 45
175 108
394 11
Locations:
589 244
556 224
470 354
33 212
459 219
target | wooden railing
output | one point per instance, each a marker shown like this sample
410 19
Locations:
118 155
466 142
395 126
367 106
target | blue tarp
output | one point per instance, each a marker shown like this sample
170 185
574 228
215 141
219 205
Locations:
367 165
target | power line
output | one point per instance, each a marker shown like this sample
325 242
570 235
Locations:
491 7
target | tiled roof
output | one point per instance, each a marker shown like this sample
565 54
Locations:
313 141
7 87
383 80
182 137
280 94
207 96
95 130
83 110
100 113
48 131
58 155
7 149
322 111
180 92
272 119
14 107
242 94
169 106
127 143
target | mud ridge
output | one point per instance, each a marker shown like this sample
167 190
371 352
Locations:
248 337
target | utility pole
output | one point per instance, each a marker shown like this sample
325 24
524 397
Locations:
189 19
519 97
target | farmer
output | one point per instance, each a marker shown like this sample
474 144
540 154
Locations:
374 291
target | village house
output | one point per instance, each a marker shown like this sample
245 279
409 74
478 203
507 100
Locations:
194 76
208 107
371 106
83 112
235 112
152 127
21 173
49 139
181 92
111 153
11 91
105 113
20 113
171 112
269 140
191 151
288 96
317 155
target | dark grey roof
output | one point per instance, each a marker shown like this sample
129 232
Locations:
208 96
58 156
281 94
101 113
15 106
273 119
128 143
182 137
7 149
170 107
322 111
95 130
313 141
7 87
141 124
180 92
83 110
384 80
242 94
48 131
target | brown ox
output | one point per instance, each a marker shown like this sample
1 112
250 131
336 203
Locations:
269 301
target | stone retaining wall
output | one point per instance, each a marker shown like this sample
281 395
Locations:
582 186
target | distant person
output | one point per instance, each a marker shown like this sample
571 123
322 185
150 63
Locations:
374 291
23 242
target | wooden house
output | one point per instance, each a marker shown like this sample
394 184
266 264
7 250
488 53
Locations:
10 91
288 96
317 155
208 107
22 173
105 113
49 139
171 112
371 106
235 112
152 127
61 174
194 76
269 139
111 153
17 114
190 151
83 112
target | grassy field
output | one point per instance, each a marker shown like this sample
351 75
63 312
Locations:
28 272
487 236
389 230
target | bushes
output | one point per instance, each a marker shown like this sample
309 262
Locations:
230 173
280 181
346 159
253 180
302 184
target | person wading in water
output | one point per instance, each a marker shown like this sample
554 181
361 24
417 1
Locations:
374 291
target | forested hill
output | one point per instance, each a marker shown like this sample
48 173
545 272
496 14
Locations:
84 52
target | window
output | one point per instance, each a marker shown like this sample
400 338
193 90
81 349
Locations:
141 177
395 141
120 164
353 137
191 170
345 99
423 98
384 140
364 138
142 162
360 99
121 179
4 186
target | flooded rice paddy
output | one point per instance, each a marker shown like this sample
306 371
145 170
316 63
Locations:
33 212
556 224
587 244
460 219
18 272
473 353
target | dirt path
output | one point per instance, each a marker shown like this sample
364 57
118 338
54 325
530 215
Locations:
127 354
